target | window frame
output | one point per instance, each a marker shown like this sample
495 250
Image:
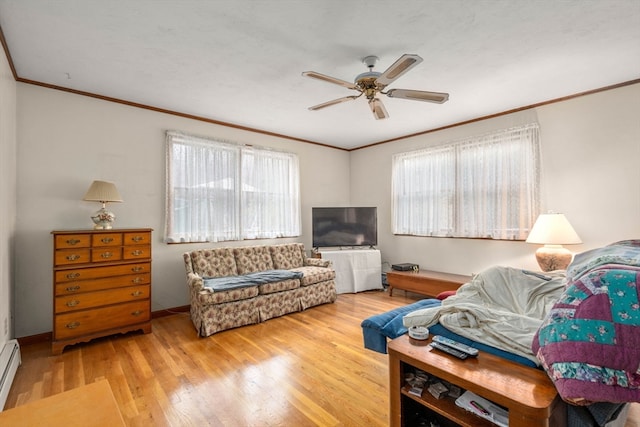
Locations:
219 168
509 215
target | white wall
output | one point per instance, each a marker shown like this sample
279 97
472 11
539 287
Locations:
590 147
7 196
66 141
590 172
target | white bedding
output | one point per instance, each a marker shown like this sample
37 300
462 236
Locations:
502 307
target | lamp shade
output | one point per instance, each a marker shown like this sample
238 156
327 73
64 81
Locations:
553 229
102 191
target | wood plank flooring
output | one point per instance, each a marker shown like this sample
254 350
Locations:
303 369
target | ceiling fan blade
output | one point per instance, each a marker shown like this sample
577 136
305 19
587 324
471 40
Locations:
377 108
418 95
334 102
398 68
330 79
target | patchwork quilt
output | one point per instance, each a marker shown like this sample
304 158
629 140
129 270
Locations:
589 343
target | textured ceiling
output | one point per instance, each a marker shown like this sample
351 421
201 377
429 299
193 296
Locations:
240 61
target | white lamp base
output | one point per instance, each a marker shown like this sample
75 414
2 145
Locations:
103 219
553 257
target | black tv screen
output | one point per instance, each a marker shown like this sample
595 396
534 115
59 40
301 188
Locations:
344 226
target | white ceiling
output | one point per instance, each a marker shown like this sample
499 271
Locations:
240 61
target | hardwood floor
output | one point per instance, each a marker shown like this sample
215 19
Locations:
303 369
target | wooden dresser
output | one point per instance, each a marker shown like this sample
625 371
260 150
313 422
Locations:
101 284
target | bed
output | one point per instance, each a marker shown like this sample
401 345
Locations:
581 326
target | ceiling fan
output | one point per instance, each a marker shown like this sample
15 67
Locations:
372 83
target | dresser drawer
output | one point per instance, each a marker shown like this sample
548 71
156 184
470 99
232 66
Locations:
73 288
101 284
85 322
111 239
106 254
136 252
87 300
140 238
72 256
69 241
76 274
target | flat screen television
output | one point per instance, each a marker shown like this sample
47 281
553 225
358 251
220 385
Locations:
344 226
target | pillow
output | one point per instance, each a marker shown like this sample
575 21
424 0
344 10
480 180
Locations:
444 295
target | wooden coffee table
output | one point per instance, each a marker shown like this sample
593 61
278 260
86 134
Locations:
527 393
425 282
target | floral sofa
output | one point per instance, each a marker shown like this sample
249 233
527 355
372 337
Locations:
222 299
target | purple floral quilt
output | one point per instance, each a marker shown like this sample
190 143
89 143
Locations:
589 343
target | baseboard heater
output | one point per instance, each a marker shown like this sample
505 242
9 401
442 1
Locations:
9 362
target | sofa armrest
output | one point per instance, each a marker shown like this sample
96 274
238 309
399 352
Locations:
195 283
317 262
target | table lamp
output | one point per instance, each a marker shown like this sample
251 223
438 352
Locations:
103 192
553 230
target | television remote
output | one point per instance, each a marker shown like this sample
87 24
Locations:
452 351
473 352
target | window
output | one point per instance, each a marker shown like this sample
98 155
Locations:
480 187
220 191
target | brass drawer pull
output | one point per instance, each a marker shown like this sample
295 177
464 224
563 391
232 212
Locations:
137 269
73 325
137 252
73 303
73 257
137 293
137 313
73 242
137 279
72 288
106 255
73 275
137 239
106 239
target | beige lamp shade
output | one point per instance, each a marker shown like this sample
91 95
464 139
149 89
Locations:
103 192
553 230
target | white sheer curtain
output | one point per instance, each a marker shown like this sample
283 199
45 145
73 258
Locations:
219 191
270 194
424 192
480 187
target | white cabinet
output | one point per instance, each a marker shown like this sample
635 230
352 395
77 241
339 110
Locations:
357 270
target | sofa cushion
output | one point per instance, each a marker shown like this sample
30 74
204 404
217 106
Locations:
283 285
287 256
277 304
208 297
218 262
313 274
251 259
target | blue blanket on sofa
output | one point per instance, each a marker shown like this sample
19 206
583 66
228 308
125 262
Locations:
219 284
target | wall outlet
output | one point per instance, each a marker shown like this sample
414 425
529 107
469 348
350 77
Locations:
6 325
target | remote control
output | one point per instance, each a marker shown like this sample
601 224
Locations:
452 351
473 352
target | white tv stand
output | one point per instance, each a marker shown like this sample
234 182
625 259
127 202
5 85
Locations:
357 270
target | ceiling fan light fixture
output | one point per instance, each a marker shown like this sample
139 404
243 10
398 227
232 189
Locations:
372 83
378 109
